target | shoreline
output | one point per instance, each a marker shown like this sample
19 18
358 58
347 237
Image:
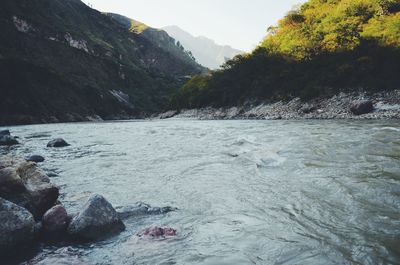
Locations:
386 105
383 105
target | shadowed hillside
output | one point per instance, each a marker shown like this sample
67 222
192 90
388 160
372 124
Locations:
63 61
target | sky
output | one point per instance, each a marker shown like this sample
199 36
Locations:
241 24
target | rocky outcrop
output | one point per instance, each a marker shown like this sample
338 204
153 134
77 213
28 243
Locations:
341 106
35 158
17 226
77 44
59 142
140 209
55 221
21 25
361 107
97 220
156 231
25 184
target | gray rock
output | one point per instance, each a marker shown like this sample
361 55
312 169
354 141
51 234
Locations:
23 183
63 256
35 158
8 140
97 220
59 142
140 209
55 220
4 132
17 226
361 107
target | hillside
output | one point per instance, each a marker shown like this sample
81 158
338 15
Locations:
318 49
205 50
159 38
63 61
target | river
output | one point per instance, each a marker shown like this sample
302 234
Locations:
248 192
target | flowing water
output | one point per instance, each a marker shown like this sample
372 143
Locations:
248 192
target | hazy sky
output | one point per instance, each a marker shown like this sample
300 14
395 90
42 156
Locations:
239 23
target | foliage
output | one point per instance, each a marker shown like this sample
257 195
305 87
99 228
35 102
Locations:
317 49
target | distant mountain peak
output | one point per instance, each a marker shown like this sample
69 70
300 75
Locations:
206 51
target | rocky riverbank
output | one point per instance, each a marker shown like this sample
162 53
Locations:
382 105
32 216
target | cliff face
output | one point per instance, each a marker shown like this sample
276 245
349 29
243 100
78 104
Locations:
63 61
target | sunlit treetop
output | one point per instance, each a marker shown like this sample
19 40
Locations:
334 25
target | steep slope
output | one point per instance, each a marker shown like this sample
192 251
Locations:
205 50
159 38
319 49
63 61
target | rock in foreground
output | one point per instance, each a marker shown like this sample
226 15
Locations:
55 220
97 220
361 107
17 226
59 142
24 184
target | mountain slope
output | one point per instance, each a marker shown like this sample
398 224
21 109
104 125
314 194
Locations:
319 49
158 38
205 50
63 61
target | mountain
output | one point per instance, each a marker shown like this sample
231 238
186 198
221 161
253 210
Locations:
318 49
159 38
61 60
205 50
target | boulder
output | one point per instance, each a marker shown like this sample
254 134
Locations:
35 158
42 193
4 132
140 208
361 107
156 231
59 142
97 220
8 140
17 226
10 182
63 256
23 183
55 220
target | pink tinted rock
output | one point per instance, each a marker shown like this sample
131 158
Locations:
56 219
156 231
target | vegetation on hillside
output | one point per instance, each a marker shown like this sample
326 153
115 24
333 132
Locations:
159 38
61 60
317 49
